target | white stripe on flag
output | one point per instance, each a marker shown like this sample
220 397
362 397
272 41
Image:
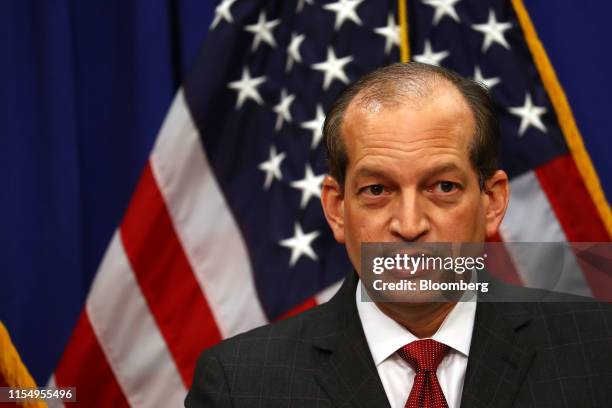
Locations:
327 293
204 223
54 403
530 218
129 336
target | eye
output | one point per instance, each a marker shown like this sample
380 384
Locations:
445 187
374 189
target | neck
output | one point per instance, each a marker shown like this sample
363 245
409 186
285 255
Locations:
422 319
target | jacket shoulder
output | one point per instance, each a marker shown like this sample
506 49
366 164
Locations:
558 318
578 321
272 342
270 359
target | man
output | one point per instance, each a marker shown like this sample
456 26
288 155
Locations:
412 157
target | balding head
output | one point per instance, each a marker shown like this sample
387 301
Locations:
413 84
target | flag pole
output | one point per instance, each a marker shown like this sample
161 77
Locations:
403 23
12 370
564 114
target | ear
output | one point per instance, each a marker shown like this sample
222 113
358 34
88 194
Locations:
497 190
332 199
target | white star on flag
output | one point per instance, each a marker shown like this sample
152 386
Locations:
391 32
493 32
333 68
310 186
262 31
272 167
345 10
443 8
293 50
430 57
488 82
530 115
300 244
247 88
222 12
282 109
316 126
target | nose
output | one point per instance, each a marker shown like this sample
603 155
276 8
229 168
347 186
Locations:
409 221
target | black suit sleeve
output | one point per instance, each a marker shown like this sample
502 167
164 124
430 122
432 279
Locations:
210 387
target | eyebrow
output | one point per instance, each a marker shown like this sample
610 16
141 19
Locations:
443 168
370 172
430 172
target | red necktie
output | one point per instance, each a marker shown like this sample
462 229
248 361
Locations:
424 356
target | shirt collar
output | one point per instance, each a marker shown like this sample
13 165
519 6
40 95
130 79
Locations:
385 336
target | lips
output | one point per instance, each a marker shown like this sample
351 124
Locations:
411 251
408 260
408 274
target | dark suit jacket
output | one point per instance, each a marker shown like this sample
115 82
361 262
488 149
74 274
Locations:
532 354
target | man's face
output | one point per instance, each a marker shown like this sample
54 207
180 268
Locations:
409 177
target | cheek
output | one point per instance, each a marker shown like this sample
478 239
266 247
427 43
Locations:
464 223
354 226
361 226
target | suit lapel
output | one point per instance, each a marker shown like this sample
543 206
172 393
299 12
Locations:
499 356
348 375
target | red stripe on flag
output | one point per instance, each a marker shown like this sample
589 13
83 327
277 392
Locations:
577 215
499 263
84 366
571 201
311 302
167 281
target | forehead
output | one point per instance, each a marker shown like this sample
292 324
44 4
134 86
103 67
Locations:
438 121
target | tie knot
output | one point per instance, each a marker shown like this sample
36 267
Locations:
424 355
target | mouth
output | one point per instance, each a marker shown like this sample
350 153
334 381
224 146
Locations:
411 265
409 260
416 249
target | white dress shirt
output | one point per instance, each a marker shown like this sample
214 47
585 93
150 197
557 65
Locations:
385 336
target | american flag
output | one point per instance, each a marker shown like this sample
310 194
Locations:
225 231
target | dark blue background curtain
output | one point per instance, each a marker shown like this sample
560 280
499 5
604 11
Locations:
86 85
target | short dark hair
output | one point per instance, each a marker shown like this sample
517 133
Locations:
413 80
